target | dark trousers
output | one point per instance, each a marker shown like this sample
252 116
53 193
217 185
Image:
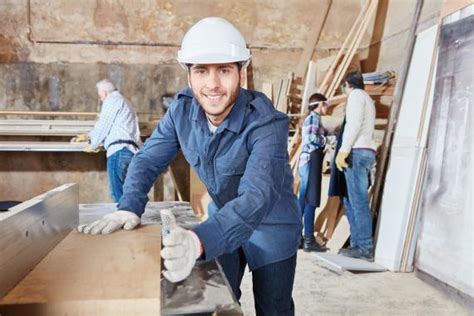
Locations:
272 284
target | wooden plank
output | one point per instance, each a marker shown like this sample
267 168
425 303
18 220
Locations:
31 229
45 127
342 263
278 93
200 198
328 218
176 187
59 127
345 45
394 109
309 86
282 104
352 48
451 6
49 113
97 275
42 146
267 89
313 37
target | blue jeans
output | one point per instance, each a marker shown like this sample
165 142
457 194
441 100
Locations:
272 284
117 165
306 209
356 201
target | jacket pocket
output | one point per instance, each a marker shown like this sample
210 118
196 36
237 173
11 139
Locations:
231 167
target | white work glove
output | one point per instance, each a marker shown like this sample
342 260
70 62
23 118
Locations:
81 138
110 223
181 249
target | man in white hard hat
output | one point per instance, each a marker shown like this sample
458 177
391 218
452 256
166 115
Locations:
236 142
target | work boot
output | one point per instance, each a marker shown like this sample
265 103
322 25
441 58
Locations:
310 244
357 253
342 251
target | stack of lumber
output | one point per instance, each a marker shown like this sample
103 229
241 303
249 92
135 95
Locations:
382 94
336 73
34 123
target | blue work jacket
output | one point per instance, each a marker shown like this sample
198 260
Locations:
244 166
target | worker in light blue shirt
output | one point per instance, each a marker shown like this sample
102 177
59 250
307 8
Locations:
236 142
117 130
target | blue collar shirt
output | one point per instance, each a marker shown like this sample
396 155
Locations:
244 166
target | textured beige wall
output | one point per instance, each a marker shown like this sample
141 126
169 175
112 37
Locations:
53 52
148 32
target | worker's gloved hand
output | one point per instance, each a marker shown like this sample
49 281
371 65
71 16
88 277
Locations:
181 249
111 222
81 138
341 160
90 149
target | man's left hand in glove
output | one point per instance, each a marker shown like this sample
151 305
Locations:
341 162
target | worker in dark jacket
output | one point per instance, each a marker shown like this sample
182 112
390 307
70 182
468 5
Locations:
236 142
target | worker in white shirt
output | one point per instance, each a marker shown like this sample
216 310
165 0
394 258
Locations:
356 158
117 130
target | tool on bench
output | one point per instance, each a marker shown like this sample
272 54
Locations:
168 221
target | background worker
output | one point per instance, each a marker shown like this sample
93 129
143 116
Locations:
118 131
310 168
356 157
236 142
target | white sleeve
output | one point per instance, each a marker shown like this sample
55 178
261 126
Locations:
354 116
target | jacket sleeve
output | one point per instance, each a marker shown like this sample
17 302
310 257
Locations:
155 156
259 189
354 116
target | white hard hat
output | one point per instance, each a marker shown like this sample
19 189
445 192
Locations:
213 41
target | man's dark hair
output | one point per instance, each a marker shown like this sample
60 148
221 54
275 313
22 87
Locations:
315 98
355 80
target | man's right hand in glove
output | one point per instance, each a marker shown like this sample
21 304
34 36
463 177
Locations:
181 250
111 222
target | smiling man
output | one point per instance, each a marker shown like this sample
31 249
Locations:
236 142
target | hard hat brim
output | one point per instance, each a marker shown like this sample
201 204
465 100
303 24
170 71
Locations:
211 59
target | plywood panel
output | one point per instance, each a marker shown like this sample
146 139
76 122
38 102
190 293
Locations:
406 153
97 275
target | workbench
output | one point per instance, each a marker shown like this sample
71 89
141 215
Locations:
47 268
205 291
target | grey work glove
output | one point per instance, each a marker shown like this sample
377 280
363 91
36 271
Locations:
181 249
111 222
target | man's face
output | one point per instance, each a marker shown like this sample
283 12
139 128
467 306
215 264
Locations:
102 94
216 87
347 88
